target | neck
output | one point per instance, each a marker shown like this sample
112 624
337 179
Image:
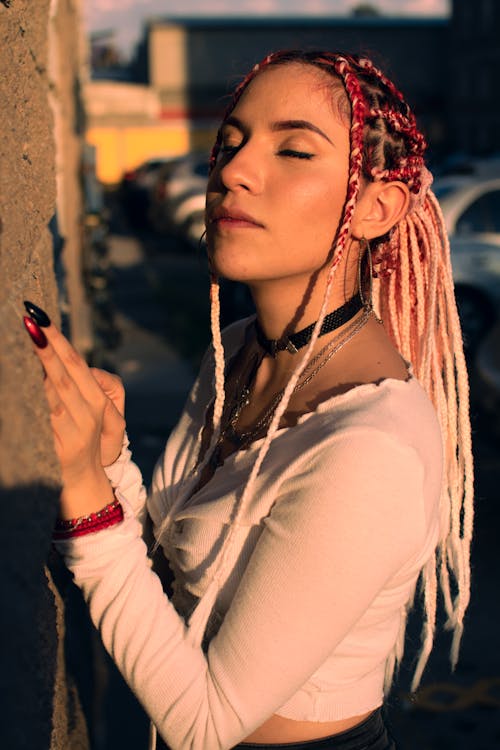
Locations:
282 309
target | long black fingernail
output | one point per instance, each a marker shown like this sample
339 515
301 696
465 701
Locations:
38 315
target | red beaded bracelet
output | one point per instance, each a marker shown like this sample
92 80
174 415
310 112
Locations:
102 519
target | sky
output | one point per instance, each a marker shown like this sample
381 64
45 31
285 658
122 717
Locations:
126 16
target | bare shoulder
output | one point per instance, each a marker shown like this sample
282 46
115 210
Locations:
371 358
380 359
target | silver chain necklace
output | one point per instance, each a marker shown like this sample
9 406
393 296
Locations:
242 440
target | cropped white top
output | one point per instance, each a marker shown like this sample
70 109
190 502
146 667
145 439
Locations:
311 604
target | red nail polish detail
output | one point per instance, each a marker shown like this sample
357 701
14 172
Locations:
36 333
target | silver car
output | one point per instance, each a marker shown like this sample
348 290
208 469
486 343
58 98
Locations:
179 201
471 208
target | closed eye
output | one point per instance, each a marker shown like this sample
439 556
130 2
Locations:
295 154
230 150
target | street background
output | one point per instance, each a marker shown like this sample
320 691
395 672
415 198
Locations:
81 116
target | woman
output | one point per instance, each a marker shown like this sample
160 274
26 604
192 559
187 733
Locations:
303 493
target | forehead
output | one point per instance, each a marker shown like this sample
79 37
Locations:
296 90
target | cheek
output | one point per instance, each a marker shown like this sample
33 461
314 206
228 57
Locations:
314 207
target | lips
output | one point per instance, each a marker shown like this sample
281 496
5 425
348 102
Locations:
232 217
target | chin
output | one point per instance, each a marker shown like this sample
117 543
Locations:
230 264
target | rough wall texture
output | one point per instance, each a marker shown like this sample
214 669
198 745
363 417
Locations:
39 706
66 68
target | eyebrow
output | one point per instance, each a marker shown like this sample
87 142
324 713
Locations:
299 125
283 125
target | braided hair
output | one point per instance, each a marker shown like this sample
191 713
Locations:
413 294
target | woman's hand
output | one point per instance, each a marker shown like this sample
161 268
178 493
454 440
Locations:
113 423
86 411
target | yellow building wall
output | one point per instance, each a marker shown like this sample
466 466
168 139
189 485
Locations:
119 149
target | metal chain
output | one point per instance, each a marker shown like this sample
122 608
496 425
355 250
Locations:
356 328
242 439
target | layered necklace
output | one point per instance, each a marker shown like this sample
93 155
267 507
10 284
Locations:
242 439
295 341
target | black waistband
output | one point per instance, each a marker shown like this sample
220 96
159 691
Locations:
370 734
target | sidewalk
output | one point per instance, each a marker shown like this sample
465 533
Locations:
156 379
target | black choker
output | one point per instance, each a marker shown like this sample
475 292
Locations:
296 341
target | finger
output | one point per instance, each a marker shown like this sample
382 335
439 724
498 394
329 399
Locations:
112 386
113 424
63 424
74 364
42 331
68 386
56 406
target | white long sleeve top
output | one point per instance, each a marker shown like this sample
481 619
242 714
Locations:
312 602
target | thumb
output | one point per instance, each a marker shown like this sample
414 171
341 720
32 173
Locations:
112 387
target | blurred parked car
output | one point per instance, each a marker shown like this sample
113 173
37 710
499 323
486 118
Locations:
487 374
471 208
178 201
461 163
138 184
476 271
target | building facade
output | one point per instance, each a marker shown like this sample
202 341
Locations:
192 64
472 72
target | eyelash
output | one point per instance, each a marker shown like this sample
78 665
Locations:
229 150
295 154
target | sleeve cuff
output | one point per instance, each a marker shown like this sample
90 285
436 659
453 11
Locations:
116 470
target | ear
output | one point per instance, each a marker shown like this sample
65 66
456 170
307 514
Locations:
381 206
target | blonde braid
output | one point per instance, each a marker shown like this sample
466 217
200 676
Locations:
218 350
438 359
458 454
429 579
218 354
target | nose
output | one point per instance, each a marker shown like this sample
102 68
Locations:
241 170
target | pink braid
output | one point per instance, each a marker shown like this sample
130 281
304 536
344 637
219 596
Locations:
218 351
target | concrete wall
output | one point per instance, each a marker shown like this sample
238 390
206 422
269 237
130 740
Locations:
40 707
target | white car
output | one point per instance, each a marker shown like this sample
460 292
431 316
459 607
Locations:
179 201
471 208
138 184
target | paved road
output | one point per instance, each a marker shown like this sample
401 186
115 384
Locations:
459 711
